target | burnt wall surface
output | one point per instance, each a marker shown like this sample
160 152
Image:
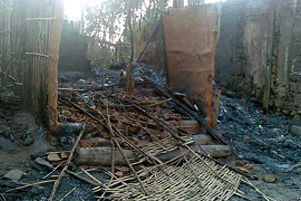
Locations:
154 53
190 36
229 55
258 53
73 50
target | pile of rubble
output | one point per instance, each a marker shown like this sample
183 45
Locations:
145 140
154 145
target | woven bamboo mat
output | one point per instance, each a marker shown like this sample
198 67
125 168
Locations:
163 146
191 180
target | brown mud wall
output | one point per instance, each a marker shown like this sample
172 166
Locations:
73 50
258 53
154 53
190 36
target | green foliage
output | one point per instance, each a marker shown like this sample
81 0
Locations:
196 2
106 26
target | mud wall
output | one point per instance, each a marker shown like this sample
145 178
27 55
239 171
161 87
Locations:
190 36
154 53
73 50
258 53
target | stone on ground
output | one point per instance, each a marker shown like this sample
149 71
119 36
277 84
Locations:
14 175
43 162
296 130
53 157
269 178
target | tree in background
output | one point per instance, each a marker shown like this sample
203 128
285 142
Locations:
108 29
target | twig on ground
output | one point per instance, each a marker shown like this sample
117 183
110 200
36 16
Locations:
130 166
112 144
67 194
159 103
257 190
57 182
50 173
81 178
29 185
293 167
3 197
92 177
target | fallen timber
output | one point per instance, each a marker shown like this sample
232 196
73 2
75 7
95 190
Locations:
102 155
122 118
182 108
189 160
185 110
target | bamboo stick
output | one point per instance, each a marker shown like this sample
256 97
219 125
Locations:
39 19
37 54
67 194
29 185
56 184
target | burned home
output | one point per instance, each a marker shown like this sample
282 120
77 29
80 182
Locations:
150 100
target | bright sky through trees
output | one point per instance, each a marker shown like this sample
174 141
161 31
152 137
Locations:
73 7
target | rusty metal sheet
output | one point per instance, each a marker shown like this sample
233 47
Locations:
191 36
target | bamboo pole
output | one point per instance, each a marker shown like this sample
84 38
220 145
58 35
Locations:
130 87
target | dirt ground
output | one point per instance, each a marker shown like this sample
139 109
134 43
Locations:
264 141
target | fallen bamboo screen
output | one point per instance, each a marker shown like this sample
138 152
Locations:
35 30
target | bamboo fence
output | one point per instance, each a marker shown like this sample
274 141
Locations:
30 36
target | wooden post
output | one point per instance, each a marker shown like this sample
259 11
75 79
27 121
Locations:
215 109
82 24
54 44
149 40
130 87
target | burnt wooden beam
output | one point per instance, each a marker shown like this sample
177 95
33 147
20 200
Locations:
185 110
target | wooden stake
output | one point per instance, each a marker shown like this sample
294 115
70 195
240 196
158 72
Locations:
112 143
130 87
113 137
130 166
148 41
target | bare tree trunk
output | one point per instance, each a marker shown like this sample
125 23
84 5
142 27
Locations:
178 3
82 18
130 77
